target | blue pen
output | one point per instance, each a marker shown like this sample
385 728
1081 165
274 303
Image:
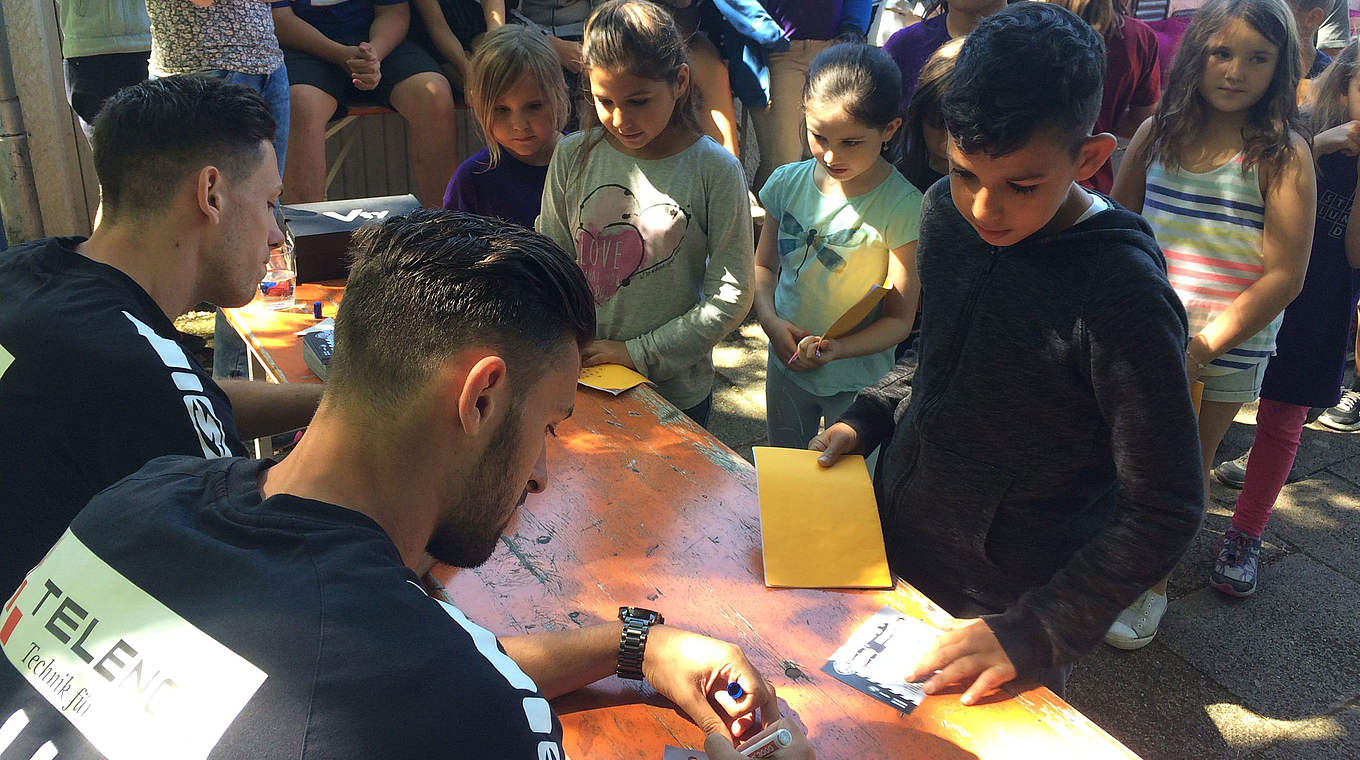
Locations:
735 691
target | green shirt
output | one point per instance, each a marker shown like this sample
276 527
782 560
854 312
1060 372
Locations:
100 27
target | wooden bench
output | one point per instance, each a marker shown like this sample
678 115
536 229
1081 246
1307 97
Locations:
354 141
347 140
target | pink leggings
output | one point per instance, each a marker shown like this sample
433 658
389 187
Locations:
1278 427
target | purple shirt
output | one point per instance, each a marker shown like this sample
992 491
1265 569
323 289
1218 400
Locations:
814 19
912 46
512 191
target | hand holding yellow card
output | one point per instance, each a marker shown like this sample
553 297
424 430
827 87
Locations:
610 378
819 525
857 313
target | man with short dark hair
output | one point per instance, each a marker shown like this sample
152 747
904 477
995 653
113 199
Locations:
93 380
285 599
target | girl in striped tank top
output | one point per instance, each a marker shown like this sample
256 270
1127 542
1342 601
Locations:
1310 356
1224 176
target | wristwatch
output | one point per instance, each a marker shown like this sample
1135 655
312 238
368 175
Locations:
636 622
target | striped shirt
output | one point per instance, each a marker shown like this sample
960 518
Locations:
1210 226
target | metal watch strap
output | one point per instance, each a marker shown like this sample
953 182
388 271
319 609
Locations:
632 645
633 642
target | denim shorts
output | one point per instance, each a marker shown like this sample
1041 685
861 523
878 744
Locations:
1237 387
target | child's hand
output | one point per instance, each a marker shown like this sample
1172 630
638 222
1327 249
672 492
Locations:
813 352
836 440
1194 366
784 337
606 352
967 651
1344 138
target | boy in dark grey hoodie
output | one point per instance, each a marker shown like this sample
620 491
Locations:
1041 469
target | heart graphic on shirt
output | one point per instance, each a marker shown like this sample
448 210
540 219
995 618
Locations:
609 257
617 240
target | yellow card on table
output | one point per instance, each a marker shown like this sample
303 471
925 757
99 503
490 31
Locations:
819 525
856 314
610 378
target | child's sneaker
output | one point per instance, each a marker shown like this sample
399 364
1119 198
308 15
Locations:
1239 559
1233 474
1137 624
1345 416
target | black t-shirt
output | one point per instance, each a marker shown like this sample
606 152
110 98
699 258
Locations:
92 386
183 617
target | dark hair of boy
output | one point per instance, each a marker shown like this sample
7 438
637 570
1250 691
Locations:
862 80
1270 122
995 107
425 285
151 137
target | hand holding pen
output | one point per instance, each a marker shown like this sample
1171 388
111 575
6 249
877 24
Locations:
813 351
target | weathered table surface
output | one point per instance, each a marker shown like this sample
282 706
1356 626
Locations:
644 507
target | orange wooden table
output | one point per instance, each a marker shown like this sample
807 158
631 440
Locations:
644 507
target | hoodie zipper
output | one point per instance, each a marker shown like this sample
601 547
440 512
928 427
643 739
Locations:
970 306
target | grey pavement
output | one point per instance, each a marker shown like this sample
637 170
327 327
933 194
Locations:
1273 676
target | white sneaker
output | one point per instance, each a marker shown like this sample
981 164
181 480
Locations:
1137 624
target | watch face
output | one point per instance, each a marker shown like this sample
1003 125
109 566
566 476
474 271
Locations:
641 615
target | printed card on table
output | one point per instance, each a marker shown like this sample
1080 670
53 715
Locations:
878 655
610 378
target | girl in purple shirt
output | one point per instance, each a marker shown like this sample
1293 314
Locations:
519 97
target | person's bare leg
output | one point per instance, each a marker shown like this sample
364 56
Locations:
717 115
426 102
304 169
1215 417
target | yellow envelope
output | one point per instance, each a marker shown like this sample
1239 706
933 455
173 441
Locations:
819 526
610 378
856 314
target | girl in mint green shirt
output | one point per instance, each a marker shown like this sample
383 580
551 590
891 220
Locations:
837 224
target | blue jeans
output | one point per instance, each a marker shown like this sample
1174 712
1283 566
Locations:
229 351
